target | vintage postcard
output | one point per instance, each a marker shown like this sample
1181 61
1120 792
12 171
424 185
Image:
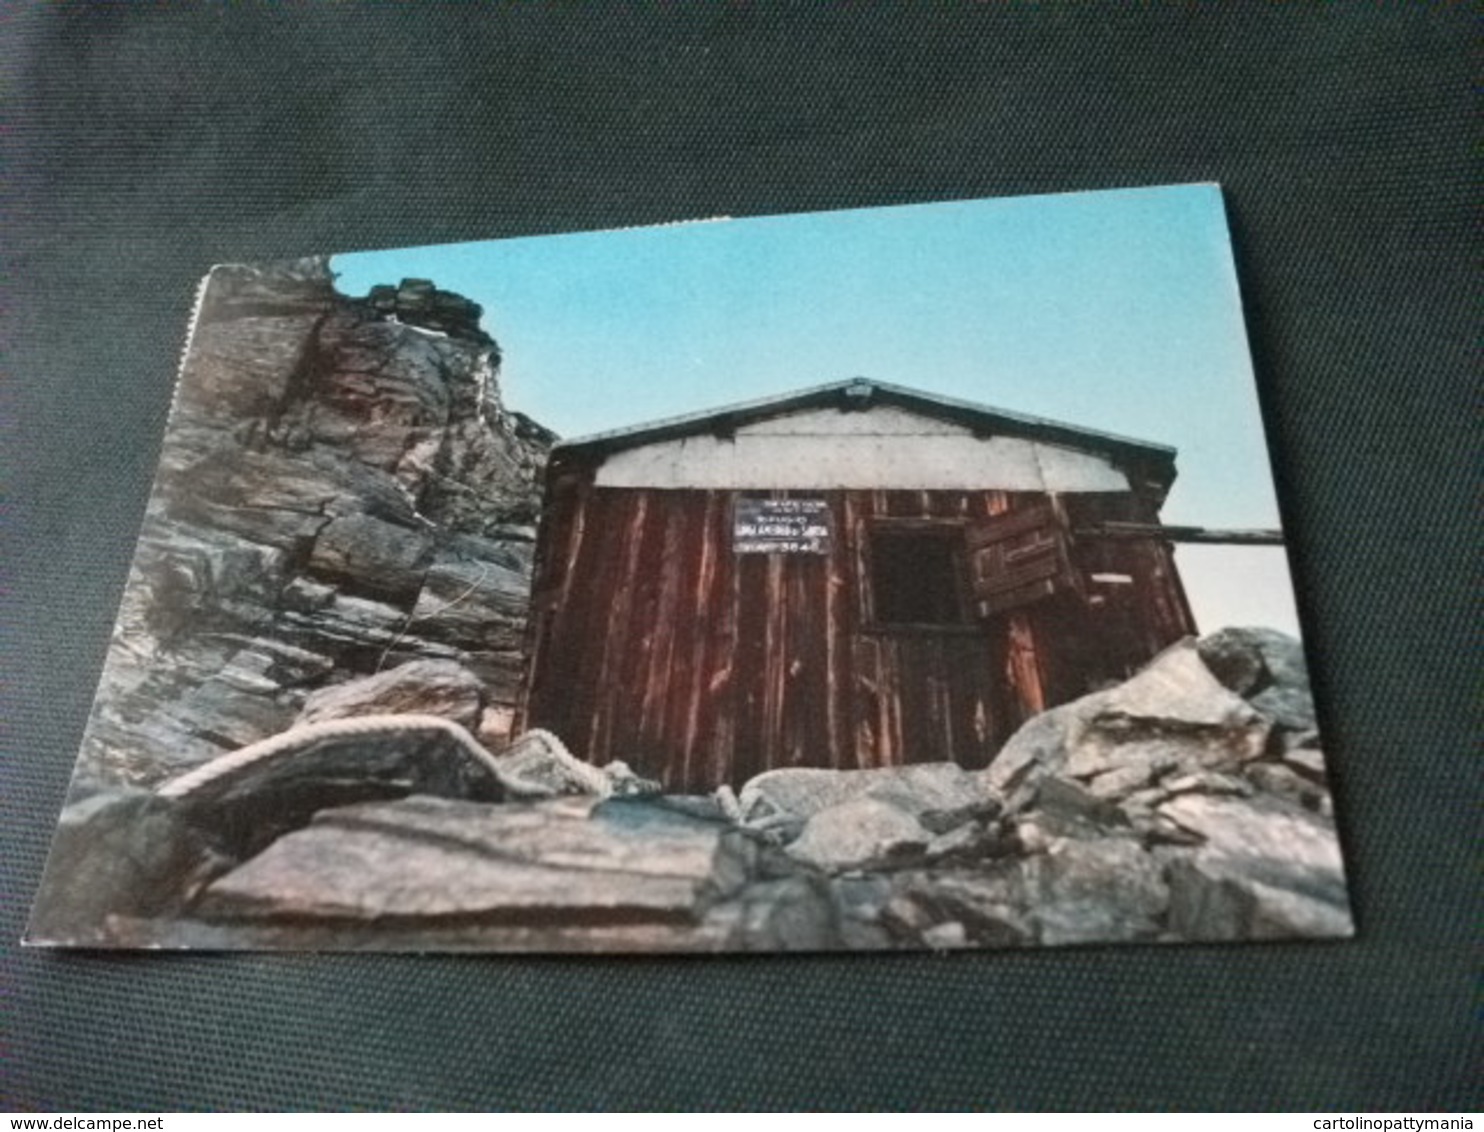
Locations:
895 578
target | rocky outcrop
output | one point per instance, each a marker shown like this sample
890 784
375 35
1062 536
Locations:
341 493
1170 808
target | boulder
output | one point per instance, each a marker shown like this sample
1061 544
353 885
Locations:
225 711
987 903
251 796
1038 748
1290 708
946 936
1213 899
123 852
1266 867
1177 695
1277 778
1063 799
424 687
859 833
476 589
625 782
433 860
939 795
1234 658
1095 891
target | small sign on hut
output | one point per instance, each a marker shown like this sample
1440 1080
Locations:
855 575
781 526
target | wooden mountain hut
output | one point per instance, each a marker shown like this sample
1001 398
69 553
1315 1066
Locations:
855 575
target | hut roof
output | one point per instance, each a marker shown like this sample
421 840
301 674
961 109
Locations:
1156 461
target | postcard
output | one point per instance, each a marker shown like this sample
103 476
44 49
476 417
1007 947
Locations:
896 578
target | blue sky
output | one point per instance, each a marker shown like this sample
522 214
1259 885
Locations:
1117 311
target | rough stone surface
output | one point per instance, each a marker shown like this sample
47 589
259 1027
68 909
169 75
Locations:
1101 890
340 491
261 792
1307 762
986 902
1164 809
118 853
940 795
863 831
789 914
1173 717
1235 659
372 556
1271 839
539 760
1281 690
427 687
434 859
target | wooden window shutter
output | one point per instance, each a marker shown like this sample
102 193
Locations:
1019 558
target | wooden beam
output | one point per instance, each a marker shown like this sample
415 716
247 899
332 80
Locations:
1180 534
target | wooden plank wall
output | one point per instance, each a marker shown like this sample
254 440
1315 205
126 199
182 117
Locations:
1154 612
654 643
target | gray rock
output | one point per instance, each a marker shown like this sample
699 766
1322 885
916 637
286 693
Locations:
1283 695
569 860
253 795
1267 868
1211 899
791 914
313 442
946 936
1271 839
477 589
244 366
1276 778
1205 782
1121 781
964 841
1307 762
1282 655
426 687
940 795
1291 708
625 782
1095 891
545 767
1059 797
121 853
355 626
1235 659
859 899
372 557
1175 685
1173 716
905 919
858 833
221 711
1038 748
985 902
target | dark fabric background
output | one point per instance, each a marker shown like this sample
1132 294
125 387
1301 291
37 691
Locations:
150 141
